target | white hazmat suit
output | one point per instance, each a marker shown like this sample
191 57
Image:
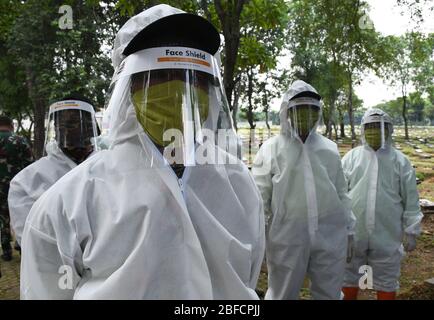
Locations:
385 201
128 228
308 210
31 182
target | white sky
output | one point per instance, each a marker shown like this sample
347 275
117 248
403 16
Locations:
387 19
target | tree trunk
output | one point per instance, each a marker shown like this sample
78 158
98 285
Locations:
29 134
329 131
20 123
404 116
230 21
404 109
350 107
39 133
335 127
326 123
250 114
235 107
341 123
39 106
266 110
267 124
342 128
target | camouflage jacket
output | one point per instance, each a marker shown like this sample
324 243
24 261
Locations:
15 155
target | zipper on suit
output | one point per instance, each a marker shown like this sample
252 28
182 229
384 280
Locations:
181 186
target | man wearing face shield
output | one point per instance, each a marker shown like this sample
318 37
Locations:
385 200
309 219
69 141
148 218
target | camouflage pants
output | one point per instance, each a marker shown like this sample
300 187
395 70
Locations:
5 220
5 231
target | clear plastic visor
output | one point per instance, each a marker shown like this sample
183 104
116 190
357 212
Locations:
303 119
179 107
175 101
72 130
376 134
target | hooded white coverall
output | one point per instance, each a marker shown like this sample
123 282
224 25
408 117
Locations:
125 230
31 182
309 217
385 201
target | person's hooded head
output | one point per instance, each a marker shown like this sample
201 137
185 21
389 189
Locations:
72 128
301 110
6 124
167 80
376 129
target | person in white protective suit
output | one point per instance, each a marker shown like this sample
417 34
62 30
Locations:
385 200
309 220
153 217
69 141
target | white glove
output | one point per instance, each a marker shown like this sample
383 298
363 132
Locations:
409 242
350 248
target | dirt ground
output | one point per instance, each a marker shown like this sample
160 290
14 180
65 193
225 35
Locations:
10 280
417 266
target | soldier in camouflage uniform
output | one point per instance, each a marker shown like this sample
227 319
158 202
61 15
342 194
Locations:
15 154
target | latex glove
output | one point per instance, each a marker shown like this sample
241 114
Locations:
409 242
350 248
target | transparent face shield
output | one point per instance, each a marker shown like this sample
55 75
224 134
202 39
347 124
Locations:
176 97
72 128
376 129
171 99
376 134
303 116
